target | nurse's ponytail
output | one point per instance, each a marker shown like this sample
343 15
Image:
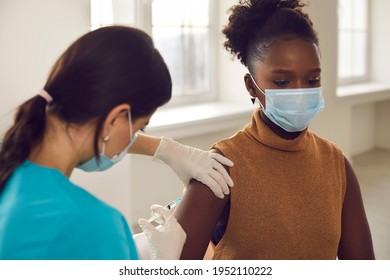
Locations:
27 130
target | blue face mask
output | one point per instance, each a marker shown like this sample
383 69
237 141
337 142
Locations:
292 109
104 163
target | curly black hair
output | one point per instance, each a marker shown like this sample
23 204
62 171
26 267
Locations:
253 24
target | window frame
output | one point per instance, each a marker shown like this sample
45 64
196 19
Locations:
143 21
357 79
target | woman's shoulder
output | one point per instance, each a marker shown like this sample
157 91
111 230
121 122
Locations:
232 141
324 143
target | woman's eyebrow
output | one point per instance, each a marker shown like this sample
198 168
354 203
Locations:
284 71
315 70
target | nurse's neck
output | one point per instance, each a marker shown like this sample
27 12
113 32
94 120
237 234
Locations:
60 147
278 130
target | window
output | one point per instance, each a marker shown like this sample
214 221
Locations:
109 12
353 41
181 31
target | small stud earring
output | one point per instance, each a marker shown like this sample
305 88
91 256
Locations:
253 99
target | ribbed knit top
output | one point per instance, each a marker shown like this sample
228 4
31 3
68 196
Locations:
288 195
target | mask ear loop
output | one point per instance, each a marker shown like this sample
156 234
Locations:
132 138
105 140
130 124
256 99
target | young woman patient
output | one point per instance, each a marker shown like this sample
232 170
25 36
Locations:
296 195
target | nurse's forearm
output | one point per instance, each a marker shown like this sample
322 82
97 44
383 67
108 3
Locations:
145 145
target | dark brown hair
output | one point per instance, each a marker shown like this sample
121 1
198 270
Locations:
102 69
254 24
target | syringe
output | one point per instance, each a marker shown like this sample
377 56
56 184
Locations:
169 206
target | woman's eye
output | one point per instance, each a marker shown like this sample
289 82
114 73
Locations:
313 82
281 83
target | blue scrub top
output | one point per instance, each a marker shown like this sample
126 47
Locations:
45 216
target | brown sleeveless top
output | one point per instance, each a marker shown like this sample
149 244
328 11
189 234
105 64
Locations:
288 195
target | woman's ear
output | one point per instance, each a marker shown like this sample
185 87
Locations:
113 118
249 85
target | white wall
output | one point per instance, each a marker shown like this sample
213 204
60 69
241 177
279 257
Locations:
383 125
370 121
363 128
34 33
380 40
231 72
336 117
380 67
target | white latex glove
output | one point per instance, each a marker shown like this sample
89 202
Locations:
142 244
167 240
189 162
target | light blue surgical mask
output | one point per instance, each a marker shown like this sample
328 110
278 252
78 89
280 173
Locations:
104 163
292 109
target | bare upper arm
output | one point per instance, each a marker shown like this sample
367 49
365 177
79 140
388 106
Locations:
198 213
355 242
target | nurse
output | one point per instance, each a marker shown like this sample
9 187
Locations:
102 90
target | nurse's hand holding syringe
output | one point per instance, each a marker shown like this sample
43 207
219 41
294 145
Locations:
164 242
169 206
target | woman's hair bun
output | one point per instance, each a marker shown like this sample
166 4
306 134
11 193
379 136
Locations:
248 17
